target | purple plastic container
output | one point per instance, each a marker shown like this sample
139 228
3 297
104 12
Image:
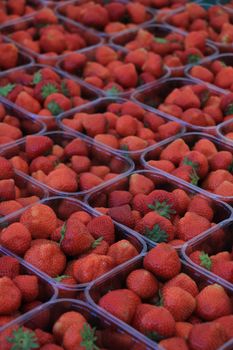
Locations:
218 239
114 335
34 5
98 155
64 207
87 94
101 106
61 11
99 198
110 92
117 278
122 40
226 59
222 47
89 38
155 94
46 291
27 124
224 130
190 139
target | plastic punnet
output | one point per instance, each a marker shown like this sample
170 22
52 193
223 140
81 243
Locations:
96 153
110 92
117 278
155 94
47 291
190 139
218 239
91 39
99 198
87 93
101 106
225 132
115 334
63 208
161 31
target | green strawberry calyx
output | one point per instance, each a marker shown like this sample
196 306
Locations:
54 108
160 40
187 161
162 208
63 232
194 178
205 261
156 234
64 89
48 89
5 90
37 77
60 278
97 242
230 168
229 109
114 91
154 336
88 337
23 339
193 59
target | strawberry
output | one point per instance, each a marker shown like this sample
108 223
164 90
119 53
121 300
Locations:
75 238
192 225
126 75
139 203
143 283
163 261
213 302
140 184
57 103
91 266
226 322
157 323
7 189
184 282
118 198
102 227
122 215
197 161
40 220
88 181
174 343
47 257
175 151
221 160
122 251
207 335
223 269
10 295
201 206
183 329
7 171
17 238
26 101
215 178
9 267
162 202
182 200
65 321
28 285
36 146
121 303
179 302
164 165
8 207
205 147
156 227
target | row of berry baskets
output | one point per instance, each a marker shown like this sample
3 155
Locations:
116 189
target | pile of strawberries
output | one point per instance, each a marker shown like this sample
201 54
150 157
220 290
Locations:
157 208
159 299
116 175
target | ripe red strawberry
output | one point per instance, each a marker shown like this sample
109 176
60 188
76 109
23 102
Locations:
122 251
209 335
157 323
143 283
9 267
118 198
91 266
17 238
192 225
140 184
175 151
6 167
213 302
36 146
202 207
121 303
123 215
7 189
227 323
197 161
179 302
163 261
223 269
102 226
75 238
139 203
183 281
163 202
28 285
156 227
174 343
